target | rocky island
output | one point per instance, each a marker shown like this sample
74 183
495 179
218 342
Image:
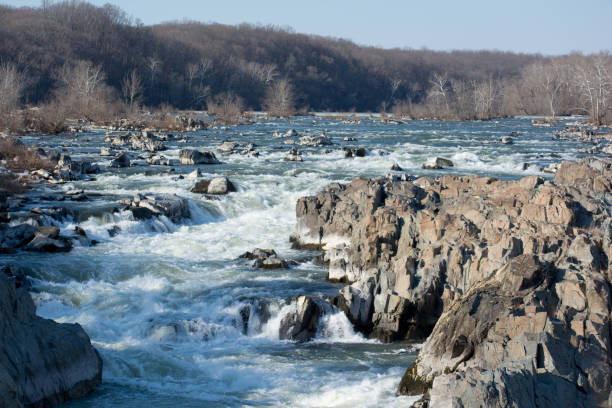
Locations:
508 281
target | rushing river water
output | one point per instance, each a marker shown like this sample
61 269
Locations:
162 302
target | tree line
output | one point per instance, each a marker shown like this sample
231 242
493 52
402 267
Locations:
73 58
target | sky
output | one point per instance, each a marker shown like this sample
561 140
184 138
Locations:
549 27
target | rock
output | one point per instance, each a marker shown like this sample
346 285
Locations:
507 140
14 237
227 147
440 163
507 280
350 139
314 140
201 187
197 173
168 205
294 155
105 151
188 156
302 325
291 133
218 186
396 167
359 152
122 160
265 259
42 363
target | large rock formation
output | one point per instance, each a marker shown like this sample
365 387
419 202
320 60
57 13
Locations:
510 280
42 363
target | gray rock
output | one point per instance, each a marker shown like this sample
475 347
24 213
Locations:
217 186
168 205
440 163
42 363
302 325
314 140
266 259
227 147
190 157
122 160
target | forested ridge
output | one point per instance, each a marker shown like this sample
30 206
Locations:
188 65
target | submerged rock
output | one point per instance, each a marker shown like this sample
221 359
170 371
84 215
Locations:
508 280
42 363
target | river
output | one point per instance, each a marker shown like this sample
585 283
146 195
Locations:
164 302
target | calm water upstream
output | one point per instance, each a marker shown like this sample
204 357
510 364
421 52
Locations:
162 302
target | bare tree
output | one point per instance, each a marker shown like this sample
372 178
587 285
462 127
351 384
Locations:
131 88
83 90
11 88
485 94
227 107
439 92
594 84
278 100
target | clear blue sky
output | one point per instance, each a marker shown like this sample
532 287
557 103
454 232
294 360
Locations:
534 26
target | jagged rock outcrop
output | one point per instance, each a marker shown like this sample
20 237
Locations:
216 186
510 279
303 324
42 363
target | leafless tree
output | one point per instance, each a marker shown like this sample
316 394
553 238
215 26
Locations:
227 107
594 84
11 88
439 92
132 88
278 100
485 94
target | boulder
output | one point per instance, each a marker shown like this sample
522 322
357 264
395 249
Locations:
168 205
217 186
227 147
294 155
42 363
122 160
265 259
190 157
439 163
303 324
314 140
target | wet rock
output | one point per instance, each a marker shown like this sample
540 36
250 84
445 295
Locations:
302 325
218 186
439 163
507 140
14 237
294 155
122 160
197 173
190 157
42 363
396 167
168 205
227 147
314 140
266 259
